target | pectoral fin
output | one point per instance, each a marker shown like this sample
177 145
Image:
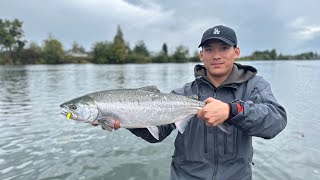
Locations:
105 126
109 122
182 124
154 131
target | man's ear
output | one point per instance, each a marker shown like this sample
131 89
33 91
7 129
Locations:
201 55
237 52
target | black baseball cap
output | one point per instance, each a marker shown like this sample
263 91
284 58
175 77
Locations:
220 32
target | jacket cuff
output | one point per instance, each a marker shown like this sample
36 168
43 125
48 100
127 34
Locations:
234 109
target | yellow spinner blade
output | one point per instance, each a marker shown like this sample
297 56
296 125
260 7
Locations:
68 115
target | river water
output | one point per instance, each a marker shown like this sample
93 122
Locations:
38 143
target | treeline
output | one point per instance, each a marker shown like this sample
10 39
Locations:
15 50
273 55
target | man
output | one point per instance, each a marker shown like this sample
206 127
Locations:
235 96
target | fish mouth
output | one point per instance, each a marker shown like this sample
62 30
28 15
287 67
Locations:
65 111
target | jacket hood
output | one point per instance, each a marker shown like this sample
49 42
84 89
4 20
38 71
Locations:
239 74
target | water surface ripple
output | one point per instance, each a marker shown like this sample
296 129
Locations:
37 143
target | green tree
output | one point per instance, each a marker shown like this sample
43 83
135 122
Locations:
3 34
264 55
141 49
52 52
273 54
163 56
76 48
139 54
103 53
11 35
306 56
164 49
180 55
30 55
11 42
119 47
195 57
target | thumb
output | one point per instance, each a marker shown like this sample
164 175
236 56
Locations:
209 100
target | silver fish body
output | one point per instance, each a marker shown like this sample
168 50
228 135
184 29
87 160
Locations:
144 107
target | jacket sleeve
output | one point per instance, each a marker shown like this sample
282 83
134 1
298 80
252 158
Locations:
262 115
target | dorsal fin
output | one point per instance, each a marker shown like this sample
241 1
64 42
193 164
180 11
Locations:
194 96
150 88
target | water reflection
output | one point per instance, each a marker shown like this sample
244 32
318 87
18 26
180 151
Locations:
14 91
132 171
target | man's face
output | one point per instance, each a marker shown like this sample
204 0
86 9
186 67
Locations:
218 58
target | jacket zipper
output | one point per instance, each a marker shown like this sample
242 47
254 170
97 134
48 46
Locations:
215 155
225 143
215 134
205 127
205 138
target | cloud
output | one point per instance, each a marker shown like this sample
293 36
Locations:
304 30
145 14
260 25
140 21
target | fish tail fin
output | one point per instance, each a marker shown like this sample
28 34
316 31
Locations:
224 128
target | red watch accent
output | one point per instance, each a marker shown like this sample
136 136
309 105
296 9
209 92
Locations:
239 108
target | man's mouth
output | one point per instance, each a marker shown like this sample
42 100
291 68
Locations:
216 64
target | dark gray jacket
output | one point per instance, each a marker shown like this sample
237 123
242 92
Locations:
208 153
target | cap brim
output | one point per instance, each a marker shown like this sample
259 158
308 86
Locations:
220 38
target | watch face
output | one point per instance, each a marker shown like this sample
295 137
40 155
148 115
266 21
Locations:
234 109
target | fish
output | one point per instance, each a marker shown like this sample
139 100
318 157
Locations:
144 107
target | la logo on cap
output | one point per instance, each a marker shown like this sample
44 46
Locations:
216 31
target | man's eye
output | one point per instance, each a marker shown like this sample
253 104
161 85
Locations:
224 48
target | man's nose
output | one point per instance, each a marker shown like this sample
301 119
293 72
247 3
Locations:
216 55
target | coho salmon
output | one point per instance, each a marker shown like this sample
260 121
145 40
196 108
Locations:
144 107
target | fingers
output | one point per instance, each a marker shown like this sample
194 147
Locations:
213 123
200 114
209 100
213 113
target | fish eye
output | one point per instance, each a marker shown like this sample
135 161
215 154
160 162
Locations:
73 107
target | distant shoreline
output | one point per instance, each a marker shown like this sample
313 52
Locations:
278 60
117 51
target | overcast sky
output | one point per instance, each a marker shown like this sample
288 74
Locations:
289 26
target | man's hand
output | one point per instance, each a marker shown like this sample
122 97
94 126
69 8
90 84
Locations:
214 112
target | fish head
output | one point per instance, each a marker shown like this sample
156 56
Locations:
83 109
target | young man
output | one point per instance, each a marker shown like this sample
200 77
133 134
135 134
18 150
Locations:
235 96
